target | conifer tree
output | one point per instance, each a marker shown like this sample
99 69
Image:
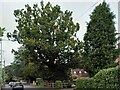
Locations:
100 39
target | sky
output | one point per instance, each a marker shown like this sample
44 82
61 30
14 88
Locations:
81 10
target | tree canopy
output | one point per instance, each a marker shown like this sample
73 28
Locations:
49 34
1 35
2 31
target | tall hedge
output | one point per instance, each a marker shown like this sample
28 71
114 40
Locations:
106 78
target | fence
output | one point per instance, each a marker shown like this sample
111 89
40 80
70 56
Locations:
52 84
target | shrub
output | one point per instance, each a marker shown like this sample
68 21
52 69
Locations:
58 84
39 81
106 78
85 83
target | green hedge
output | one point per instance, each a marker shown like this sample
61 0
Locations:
40 81
58 84
106 78
85 83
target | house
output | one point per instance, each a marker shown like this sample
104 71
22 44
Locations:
78 73
118 60
118 45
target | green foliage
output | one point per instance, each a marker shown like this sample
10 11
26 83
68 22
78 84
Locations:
106 78
30 70
100 39
49 36
13 71
85 83
40 81
58 84
2 31
23 66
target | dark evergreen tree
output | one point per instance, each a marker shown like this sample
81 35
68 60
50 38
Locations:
100 39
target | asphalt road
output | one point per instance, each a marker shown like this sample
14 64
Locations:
28 87
37 89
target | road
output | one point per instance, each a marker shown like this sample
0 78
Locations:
28 87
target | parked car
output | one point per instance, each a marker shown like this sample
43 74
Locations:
17 86
11 84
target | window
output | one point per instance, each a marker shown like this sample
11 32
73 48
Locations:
80 72
74 72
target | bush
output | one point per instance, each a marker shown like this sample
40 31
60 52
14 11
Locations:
39 81
85 83
106 78
58 84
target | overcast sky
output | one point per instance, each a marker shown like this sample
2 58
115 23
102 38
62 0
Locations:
81 10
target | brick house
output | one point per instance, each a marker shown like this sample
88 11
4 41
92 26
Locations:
119 45
118 60
78 73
